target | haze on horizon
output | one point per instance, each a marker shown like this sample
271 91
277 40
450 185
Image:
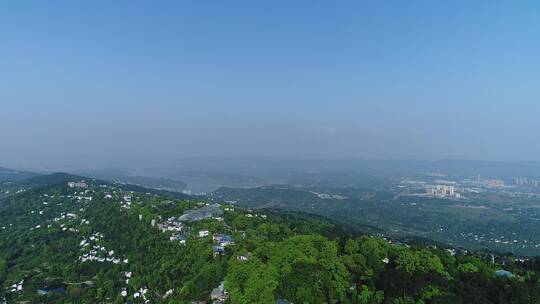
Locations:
138 80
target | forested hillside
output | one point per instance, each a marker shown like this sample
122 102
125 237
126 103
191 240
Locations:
494 221
78 240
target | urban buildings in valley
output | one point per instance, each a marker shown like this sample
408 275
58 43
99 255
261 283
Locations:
443 191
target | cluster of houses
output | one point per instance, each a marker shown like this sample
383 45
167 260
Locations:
500 240
329 196
249 214
179 238
127 275
64 219
79 184
178 229
17 287
173 225
96 252
81 197
141 293
67 218
126 203
7 192
221 242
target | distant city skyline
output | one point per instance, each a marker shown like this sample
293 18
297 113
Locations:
105 81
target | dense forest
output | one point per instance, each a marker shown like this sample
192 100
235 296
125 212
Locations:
94 242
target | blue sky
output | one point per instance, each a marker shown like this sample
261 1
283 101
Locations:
367 79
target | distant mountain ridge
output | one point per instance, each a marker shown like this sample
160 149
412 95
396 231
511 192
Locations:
14 175
206 174
122 176
62 178
275 169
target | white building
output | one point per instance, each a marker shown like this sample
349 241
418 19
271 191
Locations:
443 191
77 184
204 233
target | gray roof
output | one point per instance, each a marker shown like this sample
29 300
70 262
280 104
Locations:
201 213
216 293
504 273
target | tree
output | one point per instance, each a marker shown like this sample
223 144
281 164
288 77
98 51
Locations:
422 261
368 296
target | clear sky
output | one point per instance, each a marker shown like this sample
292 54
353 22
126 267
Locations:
366 79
